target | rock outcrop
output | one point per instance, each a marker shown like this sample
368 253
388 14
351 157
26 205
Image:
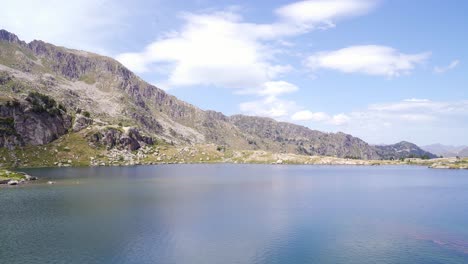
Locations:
113 137
81 122
36 120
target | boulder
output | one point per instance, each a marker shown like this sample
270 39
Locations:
29 177
4 181
13 182
81 122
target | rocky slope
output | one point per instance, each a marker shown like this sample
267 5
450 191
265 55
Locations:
298 139
83 82
403 150
37 120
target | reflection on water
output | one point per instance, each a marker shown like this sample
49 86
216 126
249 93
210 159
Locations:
449 241
237 214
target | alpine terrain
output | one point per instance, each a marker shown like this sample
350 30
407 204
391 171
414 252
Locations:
57 102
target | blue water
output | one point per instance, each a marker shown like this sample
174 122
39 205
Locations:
237 214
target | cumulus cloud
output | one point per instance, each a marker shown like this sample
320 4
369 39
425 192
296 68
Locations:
306 115
409 119
422 106
275 88
367 59
406 110
215 49
270 106
221 49
324 11
442 69
403 115
415 120
339 119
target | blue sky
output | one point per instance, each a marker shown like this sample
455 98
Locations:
382 70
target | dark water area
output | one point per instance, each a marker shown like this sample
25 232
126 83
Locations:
237 214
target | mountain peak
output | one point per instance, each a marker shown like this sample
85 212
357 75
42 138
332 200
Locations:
9 37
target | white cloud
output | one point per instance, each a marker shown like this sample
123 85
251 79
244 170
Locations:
416 120
306 115
275 88
134 61
221 49
339 119
324 11
368 59
409 119
442 69
270 106
424 106
83 24
416 100
212 49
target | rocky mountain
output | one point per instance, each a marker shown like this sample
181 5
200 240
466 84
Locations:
403 150
81 82
446 150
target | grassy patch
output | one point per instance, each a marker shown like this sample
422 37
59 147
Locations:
6 174
72 147
88 79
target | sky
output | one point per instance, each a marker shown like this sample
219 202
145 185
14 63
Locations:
382 70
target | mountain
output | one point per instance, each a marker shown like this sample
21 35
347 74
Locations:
446 150
403 149
463 152
90 89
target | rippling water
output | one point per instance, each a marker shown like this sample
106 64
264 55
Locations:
237 214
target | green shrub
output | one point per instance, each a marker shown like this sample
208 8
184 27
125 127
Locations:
221 148
7 126
61 107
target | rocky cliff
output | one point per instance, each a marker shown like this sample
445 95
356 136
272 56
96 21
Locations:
111 94
37 120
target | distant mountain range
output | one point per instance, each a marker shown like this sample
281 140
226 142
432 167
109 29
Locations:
447 150
49 91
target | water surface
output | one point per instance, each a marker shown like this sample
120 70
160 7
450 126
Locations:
237 214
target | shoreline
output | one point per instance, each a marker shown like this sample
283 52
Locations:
15 177
74 151
440 163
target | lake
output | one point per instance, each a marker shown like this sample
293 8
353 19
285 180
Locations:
224 213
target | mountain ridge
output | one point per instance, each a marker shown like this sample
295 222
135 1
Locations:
447 150
112 94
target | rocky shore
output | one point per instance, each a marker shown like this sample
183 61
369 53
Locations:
12 178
